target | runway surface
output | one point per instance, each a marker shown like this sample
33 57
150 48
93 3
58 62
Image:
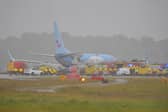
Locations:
55 88
58 87
35 77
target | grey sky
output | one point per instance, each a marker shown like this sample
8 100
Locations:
134 18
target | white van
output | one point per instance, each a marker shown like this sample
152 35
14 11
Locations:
33 71
123 71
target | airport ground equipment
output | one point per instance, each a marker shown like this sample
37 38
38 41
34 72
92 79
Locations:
32 71
48 69
123 71
16 67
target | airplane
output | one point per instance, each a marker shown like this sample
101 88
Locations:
68 58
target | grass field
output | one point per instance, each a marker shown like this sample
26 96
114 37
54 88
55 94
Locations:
138 95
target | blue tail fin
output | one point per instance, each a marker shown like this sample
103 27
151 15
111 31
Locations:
60 49
10 56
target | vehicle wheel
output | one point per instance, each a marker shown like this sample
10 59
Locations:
32 73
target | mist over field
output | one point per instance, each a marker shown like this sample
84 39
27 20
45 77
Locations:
120 46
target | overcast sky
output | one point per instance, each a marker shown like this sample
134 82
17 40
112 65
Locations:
134 18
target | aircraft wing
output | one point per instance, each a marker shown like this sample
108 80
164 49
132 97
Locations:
54 64
32 61
48 55
71 54
62 56
29 61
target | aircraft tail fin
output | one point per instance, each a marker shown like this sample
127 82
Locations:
10 56
60 49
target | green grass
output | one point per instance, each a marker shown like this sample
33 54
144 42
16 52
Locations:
138 95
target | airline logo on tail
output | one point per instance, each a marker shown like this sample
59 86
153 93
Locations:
58 44
59 41
60 49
